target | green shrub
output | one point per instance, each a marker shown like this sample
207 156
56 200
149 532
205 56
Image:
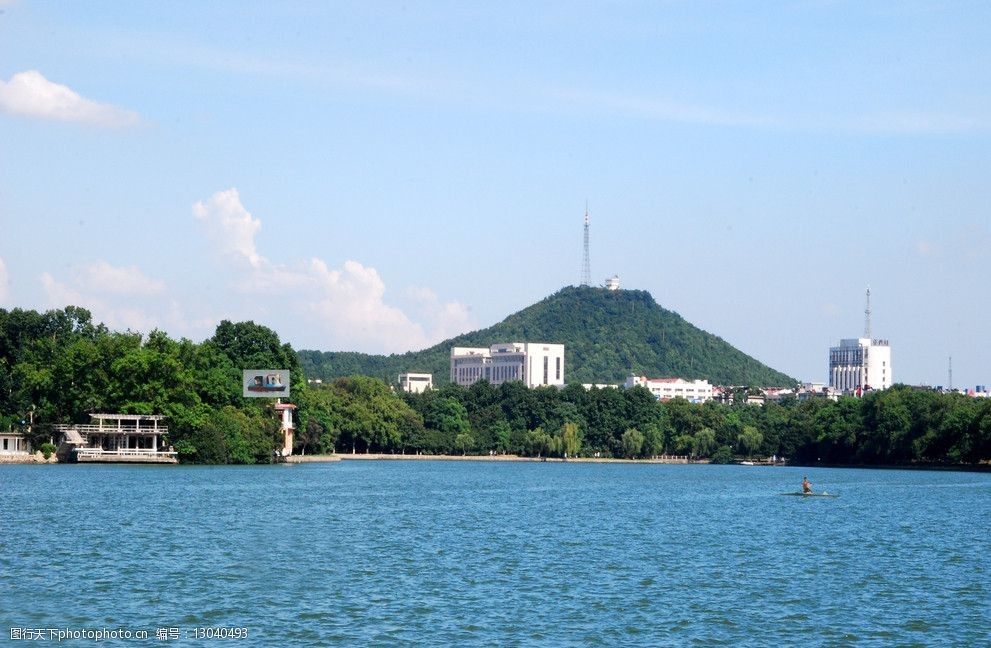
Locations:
47 450
723 455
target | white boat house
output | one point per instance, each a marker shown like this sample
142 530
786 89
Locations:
123 438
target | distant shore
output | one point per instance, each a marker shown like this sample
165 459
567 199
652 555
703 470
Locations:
499 457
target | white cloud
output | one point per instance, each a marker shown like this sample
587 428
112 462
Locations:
920 123
32 95
655 109
112 294
447 318
102 277
339 309
4 282
230 226
308 302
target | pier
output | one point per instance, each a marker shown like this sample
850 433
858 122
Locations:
116 438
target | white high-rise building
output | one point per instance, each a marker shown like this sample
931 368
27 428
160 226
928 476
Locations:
859 364
533 363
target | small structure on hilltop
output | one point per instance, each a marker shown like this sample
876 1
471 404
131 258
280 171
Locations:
116 438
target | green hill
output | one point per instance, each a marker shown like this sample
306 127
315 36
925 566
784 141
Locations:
608 335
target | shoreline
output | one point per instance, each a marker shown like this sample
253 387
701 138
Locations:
373 456
22 459
378 456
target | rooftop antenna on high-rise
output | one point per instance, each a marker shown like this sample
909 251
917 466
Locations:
867 315
586 264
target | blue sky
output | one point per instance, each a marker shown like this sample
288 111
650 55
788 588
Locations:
380 176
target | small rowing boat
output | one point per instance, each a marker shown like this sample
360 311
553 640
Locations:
823 494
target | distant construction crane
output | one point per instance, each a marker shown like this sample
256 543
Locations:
586 263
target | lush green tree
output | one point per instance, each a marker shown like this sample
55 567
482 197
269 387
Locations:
464 442
537 443
705 442
571 442
750 440
653 436
502 434
632 443
685 444
447 418
723 455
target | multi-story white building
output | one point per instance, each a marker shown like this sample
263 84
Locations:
858 364
416 383
696 391
533 363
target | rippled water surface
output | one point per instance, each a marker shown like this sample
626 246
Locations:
467 553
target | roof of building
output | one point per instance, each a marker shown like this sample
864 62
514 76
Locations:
126 417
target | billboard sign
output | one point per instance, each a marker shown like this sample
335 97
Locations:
265 383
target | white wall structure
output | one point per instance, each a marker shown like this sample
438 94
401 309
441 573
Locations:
14 443
533 363
696 391
416 383
288 430
860 363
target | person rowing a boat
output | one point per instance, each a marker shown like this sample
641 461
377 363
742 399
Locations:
806 486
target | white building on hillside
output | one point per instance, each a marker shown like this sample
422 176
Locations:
696 391
859 364
533 363
416 383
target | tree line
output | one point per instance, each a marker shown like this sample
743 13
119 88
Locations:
59 367
901 425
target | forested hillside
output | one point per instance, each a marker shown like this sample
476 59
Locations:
608 335
61 367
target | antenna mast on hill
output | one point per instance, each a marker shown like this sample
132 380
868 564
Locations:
867 315
586 264
949 376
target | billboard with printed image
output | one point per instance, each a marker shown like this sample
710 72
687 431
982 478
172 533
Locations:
265 383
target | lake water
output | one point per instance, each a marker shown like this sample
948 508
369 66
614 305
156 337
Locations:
469 553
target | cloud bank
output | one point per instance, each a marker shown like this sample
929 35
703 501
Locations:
230 226
120 297
30 94
309 302
332 308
